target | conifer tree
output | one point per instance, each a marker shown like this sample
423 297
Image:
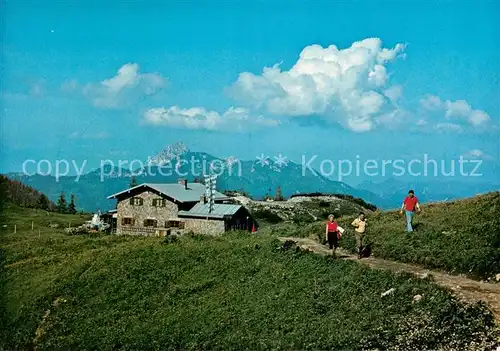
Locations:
72 206
43 202
61 205
133 182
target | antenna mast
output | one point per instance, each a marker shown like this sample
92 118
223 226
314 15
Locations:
210 186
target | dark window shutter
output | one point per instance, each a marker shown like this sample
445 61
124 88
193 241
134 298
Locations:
150 222
127 221
131 201
141 201
155 202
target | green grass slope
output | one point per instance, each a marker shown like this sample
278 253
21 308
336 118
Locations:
461 236
231 292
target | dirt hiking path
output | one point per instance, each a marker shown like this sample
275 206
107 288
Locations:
464 288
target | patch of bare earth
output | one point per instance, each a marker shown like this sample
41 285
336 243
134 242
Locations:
41 329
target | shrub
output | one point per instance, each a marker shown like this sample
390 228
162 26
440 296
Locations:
237 192
351 198
309 194
197 237
77 230
301 218
324 215
170 239
357 200
267 216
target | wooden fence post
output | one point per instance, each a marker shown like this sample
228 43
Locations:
32 226
15 228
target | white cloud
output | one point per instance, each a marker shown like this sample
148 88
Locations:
459 108
393 93
69 86
477 154
199 118
378 76
478 117
451 127
394 119
37 89
431 102
128 86
422 122
340 85
457 111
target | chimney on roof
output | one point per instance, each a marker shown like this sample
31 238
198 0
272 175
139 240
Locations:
184 183
203 199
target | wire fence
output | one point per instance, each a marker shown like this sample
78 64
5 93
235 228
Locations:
36 227
15 228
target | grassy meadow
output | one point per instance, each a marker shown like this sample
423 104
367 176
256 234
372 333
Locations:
230 292
461 236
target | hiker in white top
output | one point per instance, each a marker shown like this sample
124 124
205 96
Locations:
359 225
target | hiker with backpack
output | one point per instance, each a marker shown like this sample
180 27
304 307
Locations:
410 204
332 233
359 225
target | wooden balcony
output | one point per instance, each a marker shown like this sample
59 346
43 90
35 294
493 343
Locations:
146 231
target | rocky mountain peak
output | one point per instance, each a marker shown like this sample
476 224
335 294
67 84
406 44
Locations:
169 153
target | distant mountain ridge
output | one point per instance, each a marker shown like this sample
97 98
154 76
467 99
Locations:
258 178
393 190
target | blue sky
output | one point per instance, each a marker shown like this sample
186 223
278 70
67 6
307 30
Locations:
411 78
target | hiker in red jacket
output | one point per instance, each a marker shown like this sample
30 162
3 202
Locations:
332 233
410 204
